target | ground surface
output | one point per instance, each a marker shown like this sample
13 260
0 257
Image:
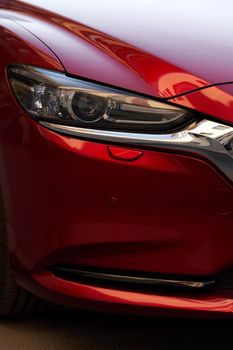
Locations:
68 330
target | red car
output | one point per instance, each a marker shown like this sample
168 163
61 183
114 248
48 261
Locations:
116 153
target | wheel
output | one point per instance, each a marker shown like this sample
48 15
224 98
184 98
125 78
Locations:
14 300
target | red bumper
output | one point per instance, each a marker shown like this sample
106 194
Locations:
70 201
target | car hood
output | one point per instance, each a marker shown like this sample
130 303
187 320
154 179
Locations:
151 47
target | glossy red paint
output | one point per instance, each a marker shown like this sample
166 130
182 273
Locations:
112 54
215 101
71 201
217 302
45 285
110 46
103 57
75 182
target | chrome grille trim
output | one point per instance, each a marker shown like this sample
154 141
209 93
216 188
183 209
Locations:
206 138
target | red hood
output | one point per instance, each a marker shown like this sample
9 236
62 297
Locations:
154 48
150 47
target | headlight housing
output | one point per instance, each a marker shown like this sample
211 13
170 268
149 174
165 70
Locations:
54 97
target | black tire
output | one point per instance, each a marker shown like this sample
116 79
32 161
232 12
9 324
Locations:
14 300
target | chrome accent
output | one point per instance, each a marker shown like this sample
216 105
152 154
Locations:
92 276
206 138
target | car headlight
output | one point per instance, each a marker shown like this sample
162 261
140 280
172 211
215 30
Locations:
57 98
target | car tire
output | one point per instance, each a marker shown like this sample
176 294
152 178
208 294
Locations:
14 300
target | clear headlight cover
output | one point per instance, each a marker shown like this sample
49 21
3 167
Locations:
57 98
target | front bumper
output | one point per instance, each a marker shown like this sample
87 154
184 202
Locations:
68 201
218 303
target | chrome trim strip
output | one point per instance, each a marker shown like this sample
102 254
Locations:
140 281
205 138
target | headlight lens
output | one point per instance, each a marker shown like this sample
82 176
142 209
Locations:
52 96
88 108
